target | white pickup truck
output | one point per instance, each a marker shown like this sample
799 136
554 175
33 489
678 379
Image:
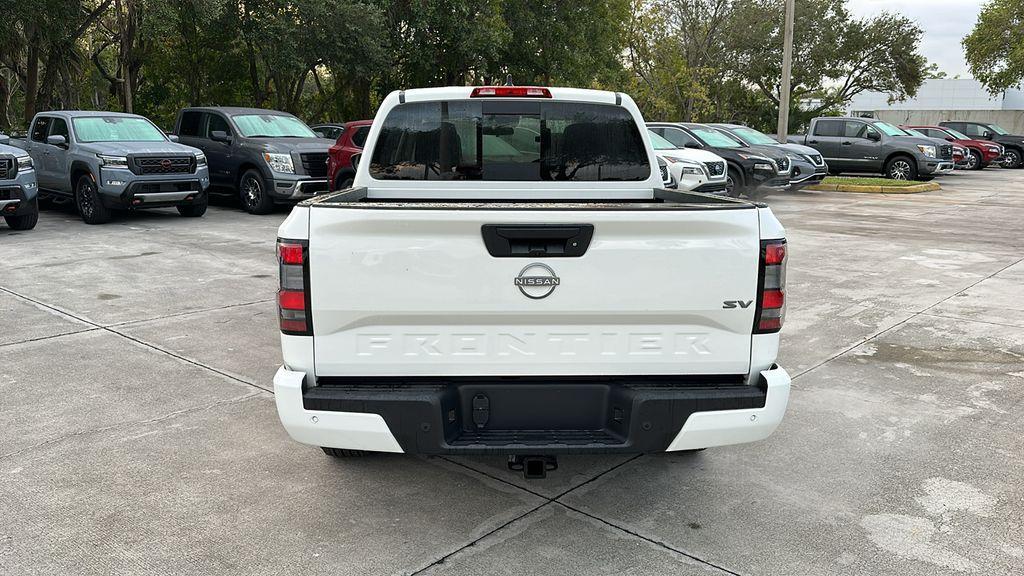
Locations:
507 275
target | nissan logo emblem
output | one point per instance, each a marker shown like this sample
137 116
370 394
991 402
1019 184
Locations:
537 281
165 163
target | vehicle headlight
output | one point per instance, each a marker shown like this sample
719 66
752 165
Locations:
24 163
279 162
993 149
113 161
200 159
928 151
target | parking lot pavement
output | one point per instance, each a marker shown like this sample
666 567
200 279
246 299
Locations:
140 435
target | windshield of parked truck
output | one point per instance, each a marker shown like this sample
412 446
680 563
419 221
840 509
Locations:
116 129
660 143
888 129
509 140
913 132
271 126
957 135
754 136
711 137
998 129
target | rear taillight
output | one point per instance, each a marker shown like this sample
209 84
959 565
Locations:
293 297
510 92
771 295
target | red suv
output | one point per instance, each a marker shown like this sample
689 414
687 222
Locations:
340 167
982 152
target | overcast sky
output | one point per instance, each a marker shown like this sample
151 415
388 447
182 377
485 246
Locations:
945 23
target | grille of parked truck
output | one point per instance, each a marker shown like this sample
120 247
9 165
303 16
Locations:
508 275
104 161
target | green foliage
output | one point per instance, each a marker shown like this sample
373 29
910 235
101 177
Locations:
995 47
698 60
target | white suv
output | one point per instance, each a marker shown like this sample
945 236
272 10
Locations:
692 169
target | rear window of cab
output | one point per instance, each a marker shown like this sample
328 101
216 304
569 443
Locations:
509 140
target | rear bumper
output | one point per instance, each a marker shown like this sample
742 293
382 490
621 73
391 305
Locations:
561 416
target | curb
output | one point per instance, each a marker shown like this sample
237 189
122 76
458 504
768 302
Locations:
913 189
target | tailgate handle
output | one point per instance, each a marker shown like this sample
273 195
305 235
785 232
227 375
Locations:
537 240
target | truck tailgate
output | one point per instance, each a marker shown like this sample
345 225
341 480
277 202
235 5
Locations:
405 291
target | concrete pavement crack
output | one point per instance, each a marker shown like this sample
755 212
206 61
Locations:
111 329
556 500
904 321
547 501
99 429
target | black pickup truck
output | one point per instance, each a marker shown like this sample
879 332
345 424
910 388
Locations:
268 157
868 145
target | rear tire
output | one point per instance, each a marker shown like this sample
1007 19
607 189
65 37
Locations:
24 221
252 191
88 202
342 452
901 168
195 209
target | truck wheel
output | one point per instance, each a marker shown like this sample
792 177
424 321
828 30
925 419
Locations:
24 221
733 183
253 193
195 209
901 168
1011 158
974 160
90 208
342 452
343 183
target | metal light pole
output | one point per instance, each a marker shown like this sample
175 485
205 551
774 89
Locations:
787 72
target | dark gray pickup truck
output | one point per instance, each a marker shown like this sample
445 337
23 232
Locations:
868 145
268 157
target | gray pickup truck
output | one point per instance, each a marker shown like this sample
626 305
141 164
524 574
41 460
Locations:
18 189
268 157
868 145
105 161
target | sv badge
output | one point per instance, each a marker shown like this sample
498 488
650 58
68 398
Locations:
737 303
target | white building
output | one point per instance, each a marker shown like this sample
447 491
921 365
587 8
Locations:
945 99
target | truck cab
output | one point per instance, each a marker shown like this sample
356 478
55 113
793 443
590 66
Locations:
507 275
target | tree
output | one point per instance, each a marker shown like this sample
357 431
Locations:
565 43
835 56
995 47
